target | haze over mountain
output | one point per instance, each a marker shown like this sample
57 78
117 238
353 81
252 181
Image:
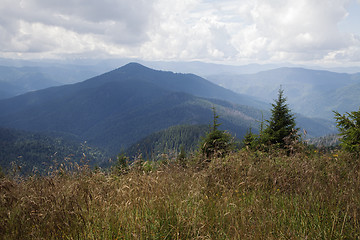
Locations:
120 107
15 81
313 93
205 69
20 76
35 76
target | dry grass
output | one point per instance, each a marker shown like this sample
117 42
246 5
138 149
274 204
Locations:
244 196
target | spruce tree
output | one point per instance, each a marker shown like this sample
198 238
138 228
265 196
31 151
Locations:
281 124
250 140
217 143
349 127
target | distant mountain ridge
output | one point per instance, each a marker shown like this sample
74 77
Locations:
120 107
16 81
313 93
179 82
19 80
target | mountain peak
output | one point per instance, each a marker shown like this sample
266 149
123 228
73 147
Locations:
134 66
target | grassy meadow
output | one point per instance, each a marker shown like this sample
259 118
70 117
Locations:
246 195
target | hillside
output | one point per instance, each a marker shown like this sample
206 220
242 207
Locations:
312 93
168 141
118 108
176 82
35 151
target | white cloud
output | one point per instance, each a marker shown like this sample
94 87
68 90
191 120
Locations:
291 28
50 26
213 30
247 30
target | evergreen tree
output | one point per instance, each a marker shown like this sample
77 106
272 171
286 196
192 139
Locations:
216 143
281 124
349 127
250 139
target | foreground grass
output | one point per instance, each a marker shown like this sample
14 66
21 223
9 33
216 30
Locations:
245 196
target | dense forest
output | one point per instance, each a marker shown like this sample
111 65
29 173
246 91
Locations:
28 152
118 108
169 141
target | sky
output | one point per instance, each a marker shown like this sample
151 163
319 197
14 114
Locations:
323 32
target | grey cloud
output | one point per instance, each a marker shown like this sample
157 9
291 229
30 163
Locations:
161 29
100 16
96 11
123 22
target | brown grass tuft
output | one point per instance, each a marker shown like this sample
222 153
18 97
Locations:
247 195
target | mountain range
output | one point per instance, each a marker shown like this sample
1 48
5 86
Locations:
15 81
116 109
18 80
313 93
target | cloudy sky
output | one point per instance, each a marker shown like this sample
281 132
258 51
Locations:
229 31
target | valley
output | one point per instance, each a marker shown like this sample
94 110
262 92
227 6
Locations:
313 93
121 109
123 152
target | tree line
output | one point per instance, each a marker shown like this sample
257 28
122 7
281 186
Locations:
279 132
